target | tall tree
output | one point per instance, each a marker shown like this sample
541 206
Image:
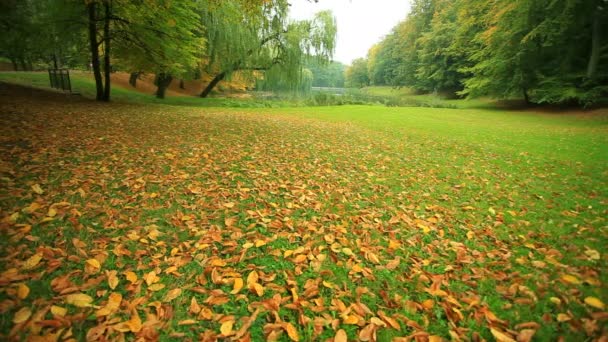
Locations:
260 38
356 75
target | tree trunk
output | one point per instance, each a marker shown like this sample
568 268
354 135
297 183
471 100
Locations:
163 82
526 96
95 50
594 57
213 83
23 65
106 54
133 79
181 84
15 66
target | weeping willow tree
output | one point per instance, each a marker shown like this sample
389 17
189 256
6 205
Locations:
260 39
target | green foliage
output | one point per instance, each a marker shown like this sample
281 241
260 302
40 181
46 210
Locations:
533 49
326 74
356 75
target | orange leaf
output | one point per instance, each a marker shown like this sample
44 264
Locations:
291 331
226 328
341 336
501 336
112 279
22 291
238 285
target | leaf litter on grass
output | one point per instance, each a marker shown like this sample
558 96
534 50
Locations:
153 222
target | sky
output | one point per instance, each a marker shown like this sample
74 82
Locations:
361 23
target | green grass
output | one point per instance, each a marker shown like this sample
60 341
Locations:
405 96
495 207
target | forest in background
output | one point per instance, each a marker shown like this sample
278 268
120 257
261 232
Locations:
544 51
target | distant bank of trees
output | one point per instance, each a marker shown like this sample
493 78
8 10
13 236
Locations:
543 51
171 39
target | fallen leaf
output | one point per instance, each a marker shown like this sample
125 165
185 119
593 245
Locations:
238 285
58 310
112 306
501 336
22 291
595 302
79 299
22 315
291 331
37 189
131 276
171 295
525 335
32 262
92 266
570 279
226 328
112 279
341 336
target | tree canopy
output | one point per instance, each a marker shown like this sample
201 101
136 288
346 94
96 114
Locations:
169 39
543 51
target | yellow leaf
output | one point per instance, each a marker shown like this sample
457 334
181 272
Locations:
79 299
562 317
347 251
226 328
252 278
341 336
92 266
52 212
37 189
555 300
377 321
468 207
501 336
291 331
470 235
131 276
570 279
112 279
32 261
151 278
156 287
351 319
592 254
187 322
259 289
171 295
31 208
238 285
260 243
22 291
112 306
229 205
58 310
22 315
595 302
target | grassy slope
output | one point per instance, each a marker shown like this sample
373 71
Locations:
84 84
496 206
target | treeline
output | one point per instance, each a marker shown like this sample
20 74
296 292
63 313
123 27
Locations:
544 51
170 39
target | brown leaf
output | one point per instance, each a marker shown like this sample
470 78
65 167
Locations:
525 335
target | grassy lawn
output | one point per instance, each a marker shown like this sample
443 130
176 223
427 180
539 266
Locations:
176 222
